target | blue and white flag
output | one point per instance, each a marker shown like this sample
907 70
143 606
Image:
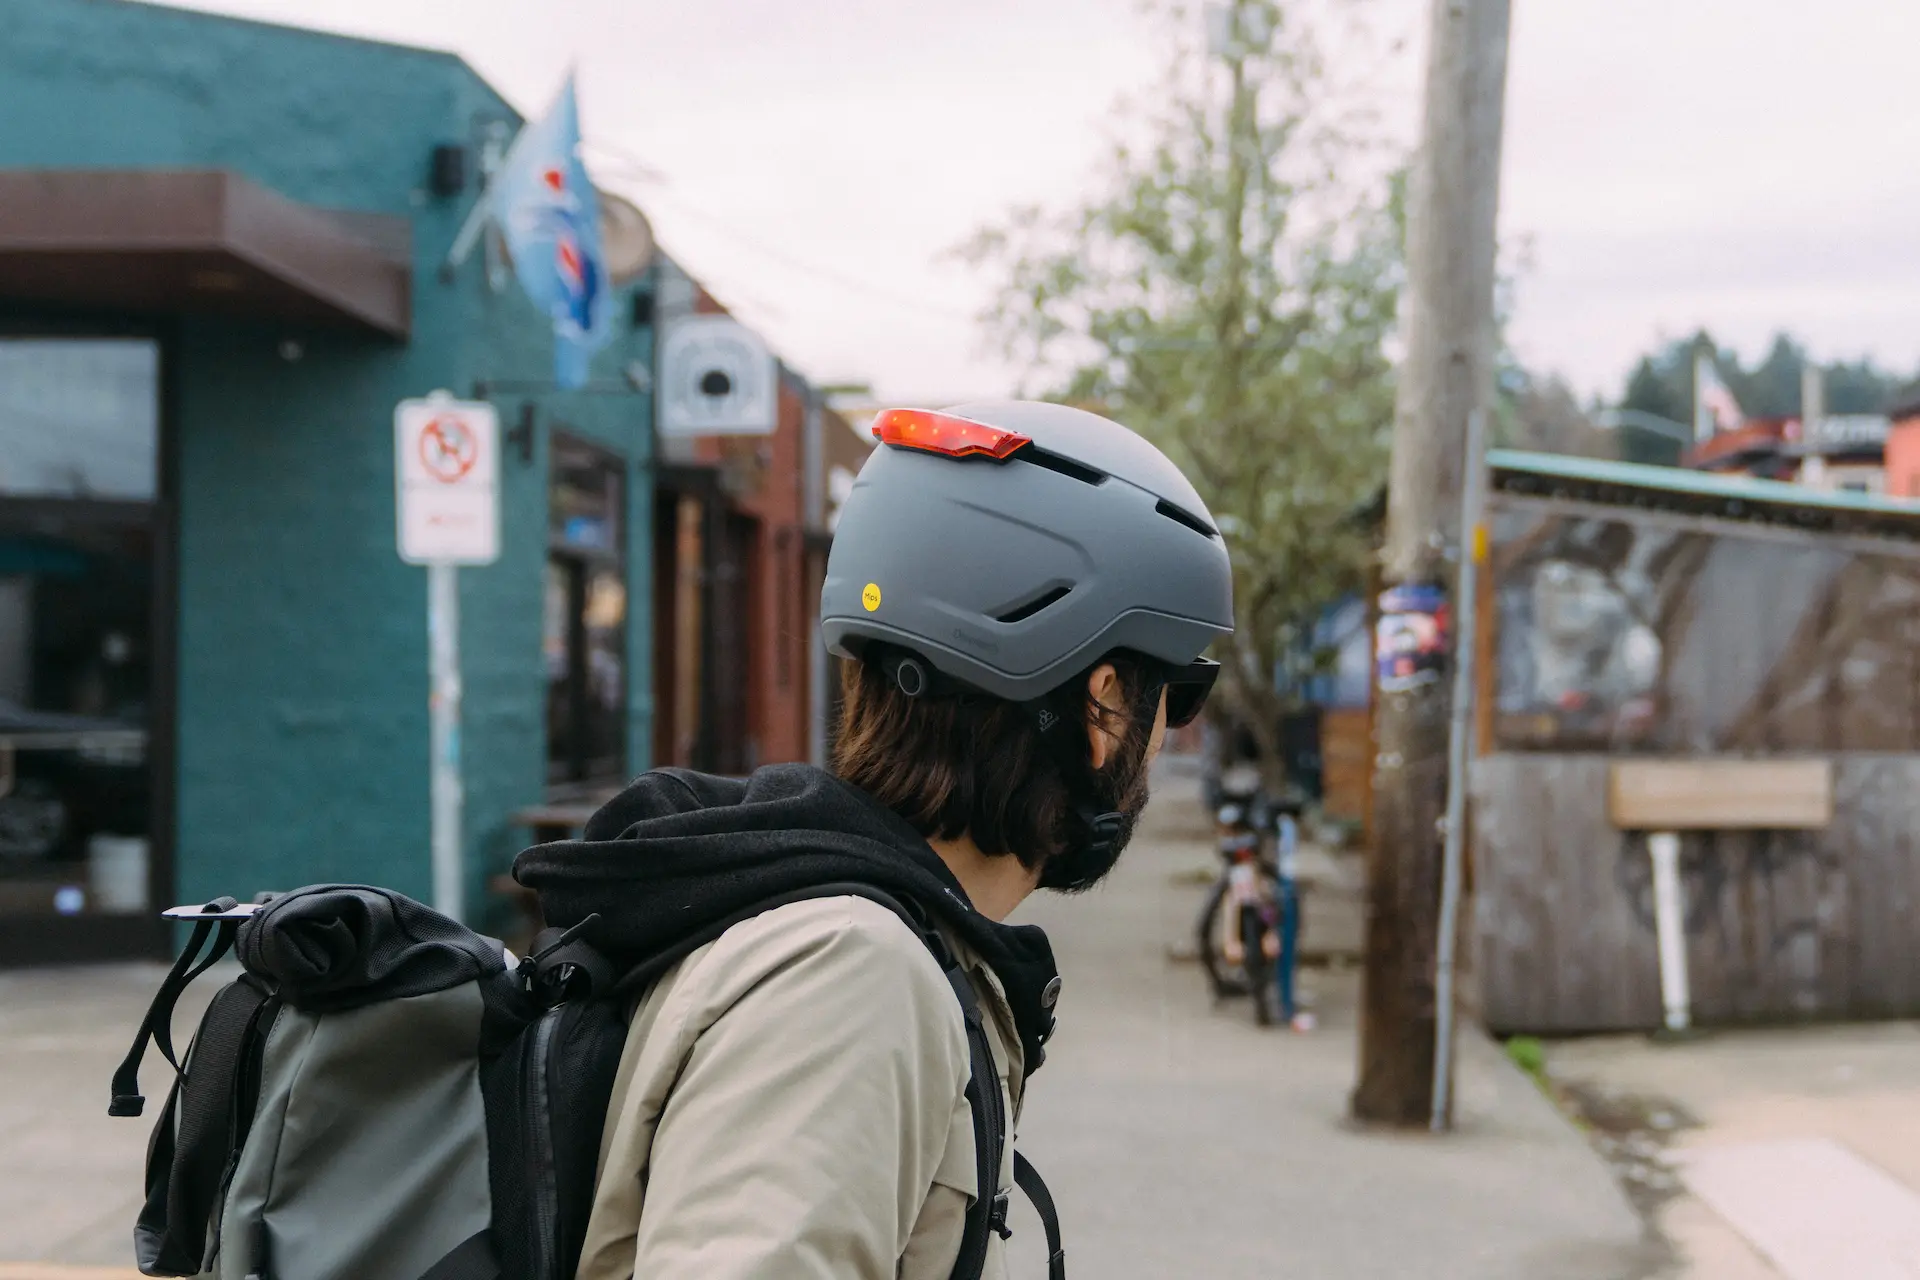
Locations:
548 211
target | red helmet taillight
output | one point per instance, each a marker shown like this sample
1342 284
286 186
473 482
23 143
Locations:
944 434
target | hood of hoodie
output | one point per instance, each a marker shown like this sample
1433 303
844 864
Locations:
679 851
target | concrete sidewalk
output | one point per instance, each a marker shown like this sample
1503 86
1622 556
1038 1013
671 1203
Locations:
1814 1126
70 1175
1180 1140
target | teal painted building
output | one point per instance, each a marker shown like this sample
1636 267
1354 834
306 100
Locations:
220 269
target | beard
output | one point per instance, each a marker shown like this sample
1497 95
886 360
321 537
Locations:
1083 864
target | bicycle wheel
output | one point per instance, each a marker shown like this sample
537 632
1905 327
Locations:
1259 969
1223 979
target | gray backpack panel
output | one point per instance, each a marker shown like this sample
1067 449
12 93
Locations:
350 1107
377 1200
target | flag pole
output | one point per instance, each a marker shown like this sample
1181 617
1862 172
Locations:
1702 415
493 154
469 233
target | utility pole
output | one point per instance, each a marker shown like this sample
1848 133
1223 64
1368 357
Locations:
1813 410
1453 199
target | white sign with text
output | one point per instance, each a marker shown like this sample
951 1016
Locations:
447 480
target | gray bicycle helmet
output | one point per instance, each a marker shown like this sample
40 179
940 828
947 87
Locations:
1013 544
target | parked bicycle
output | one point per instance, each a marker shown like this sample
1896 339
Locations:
1249 923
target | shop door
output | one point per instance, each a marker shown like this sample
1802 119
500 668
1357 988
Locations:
84 664
667 656
728 676
586 618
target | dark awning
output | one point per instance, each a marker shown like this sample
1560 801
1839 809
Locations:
198 240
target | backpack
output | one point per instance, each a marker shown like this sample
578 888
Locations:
384 1094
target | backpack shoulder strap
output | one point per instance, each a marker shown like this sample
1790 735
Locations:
200 1131
1028 1179
157 1026
988 1213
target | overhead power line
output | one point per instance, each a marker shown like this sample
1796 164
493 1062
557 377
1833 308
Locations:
660 184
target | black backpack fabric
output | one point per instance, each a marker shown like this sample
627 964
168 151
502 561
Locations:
380 1095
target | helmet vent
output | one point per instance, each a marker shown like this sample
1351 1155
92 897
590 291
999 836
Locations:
1020 613
1186 518
1034 455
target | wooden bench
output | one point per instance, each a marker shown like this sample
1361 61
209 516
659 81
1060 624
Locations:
1664 797
1720 795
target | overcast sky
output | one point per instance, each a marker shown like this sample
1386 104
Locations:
1748 165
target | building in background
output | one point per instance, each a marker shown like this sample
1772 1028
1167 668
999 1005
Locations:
1842 453
1756 448
1339 694
220 270
1837 453
1903 445
222 265
742 524
1755 640
840 451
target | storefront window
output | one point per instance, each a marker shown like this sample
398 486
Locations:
1624 634
585 500
585 642
79 419
79 430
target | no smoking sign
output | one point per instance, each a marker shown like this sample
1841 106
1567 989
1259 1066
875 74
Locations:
447 480
448 448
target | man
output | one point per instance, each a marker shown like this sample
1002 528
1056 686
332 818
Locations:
1023 592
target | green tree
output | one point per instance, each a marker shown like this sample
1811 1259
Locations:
1861 387
1650 389
1230 293
1771 389
1662 381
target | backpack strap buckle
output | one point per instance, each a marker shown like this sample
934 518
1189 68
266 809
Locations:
564 965
997 1216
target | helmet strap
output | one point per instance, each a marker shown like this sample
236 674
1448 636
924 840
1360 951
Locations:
1061 721
1060 716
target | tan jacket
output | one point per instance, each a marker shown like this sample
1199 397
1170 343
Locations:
790 1105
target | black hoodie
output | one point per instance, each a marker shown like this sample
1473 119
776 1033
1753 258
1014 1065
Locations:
678 851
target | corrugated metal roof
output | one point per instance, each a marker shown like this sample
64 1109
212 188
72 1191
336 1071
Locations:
1632 484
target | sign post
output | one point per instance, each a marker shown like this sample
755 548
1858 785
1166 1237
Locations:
1473 558
447 490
